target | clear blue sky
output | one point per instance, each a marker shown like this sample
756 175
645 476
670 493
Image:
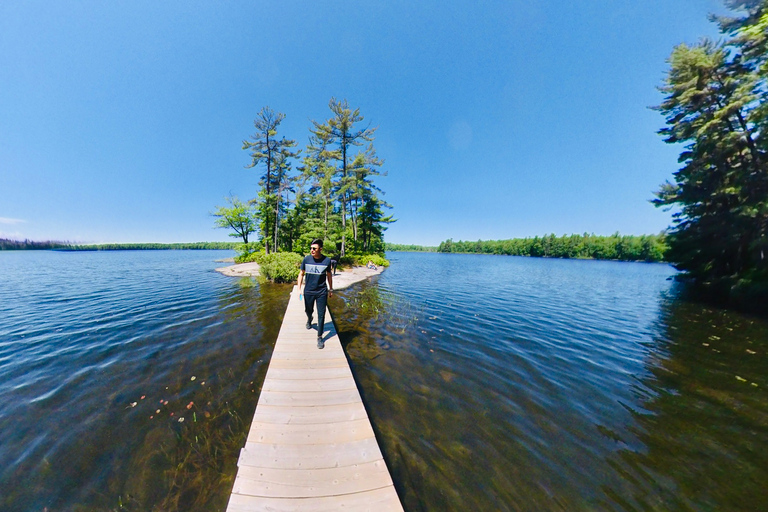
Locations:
123 121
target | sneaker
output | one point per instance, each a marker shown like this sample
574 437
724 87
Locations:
309 323
320 342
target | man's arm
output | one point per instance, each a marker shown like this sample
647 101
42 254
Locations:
301 279
329 276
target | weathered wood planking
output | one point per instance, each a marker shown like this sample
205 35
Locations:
311 446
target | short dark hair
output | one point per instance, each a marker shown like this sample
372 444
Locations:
318 241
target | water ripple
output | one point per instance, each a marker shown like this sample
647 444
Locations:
76 339
535 384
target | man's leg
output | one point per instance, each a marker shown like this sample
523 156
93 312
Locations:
309 306
321 302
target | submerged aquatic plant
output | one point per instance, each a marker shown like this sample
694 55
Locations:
367 310
189 461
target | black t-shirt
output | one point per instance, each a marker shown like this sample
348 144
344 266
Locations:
314 274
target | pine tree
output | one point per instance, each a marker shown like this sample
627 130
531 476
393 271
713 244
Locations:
715 105
334 141
365 197
274 153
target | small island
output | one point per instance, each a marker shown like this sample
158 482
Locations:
341 279
332 197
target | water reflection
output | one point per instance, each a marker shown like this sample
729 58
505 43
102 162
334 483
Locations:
149 410
610 394
372 305
704 427
534 385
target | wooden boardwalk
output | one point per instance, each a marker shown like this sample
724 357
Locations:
311 446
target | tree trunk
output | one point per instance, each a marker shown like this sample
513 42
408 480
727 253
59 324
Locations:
354 219
266 220
277 219
325 218
343 196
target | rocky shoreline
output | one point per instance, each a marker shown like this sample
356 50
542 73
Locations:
342 278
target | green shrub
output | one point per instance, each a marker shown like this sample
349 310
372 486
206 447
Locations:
280 267
361 260
379 261
247 253
247 257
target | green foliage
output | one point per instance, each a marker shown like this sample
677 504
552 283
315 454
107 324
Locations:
361 259
615 247
346 179
409 248
11 245
275 154
240 217
716 106
154 247
379 261
6 244
280 267
249 252
333 197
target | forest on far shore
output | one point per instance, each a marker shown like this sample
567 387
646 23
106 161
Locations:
26 245
649 248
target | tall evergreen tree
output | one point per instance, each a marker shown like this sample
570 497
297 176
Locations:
282 187
372 223
319 172
715 105
265 147
365 166
334 196
367 205
750 41
335 139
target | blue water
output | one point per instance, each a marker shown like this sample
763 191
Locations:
493 382
509 383
92 344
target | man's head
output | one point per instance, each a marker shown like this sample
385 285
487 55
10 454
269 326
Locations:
316 247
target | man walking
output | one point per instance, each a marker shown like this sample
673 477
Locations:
317 268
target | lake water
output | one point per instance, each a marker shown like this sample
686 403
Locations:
493 383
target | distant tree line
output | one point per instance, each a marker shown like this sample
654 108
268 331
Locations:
6 244
650 248
331 194
152 246
715 105
10 245
409 248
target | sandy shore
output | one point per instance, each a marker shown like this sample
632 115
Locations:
342 279
240 270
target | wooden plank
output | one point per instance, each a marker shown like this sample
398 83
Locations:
309 364
310 346
311 446
313 354
309 456
340 432
308 399
296 335
309 415
308 385
377 500
291 483
296 324
274 374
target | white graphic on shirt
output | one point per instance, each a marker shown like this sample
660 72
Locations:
315 269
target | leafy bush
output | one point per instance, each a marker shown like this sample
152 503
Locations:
361 259
280 267
250 252
379 261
